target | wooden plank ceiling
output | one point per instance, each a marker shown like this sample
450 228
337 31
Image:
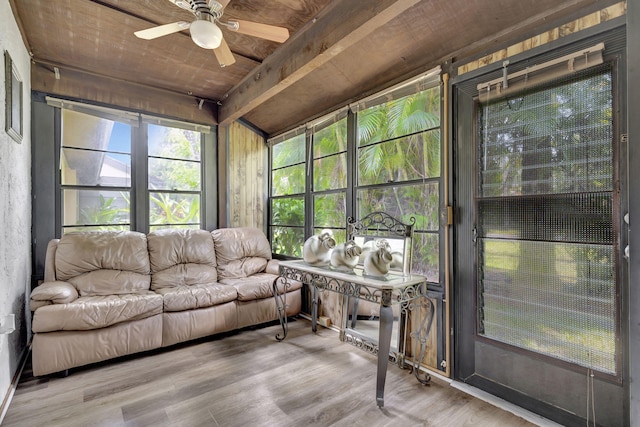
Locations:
338 50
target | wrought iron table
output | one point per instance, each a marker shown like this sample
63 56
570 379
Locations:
410 292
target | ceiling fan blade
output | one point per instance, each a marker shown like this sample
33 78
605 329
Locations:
264 31
224 55
224 3
162 30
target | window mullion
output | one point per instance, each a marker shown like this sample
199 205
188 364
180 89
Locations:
352 165
140 207
308 192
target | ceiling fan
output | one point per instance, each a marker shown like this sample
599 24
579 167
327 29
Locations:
205 30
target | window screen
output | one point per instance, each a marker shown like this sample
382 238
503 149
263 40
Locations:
329 190
399 170
288 183
95 173
174 177
546 260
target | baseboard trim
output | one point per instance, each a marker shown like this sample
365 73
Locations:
14 384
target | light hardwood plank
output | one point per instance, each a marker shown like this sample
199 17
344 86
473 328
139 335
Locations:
246 378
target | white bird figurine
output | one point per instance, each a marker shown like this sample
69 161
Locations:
317 248
345 256
378 261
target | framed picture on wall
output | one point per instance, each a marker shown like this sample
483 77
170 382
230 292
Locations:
13 101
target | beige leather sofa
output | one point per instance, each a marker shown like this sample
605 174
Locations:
109 294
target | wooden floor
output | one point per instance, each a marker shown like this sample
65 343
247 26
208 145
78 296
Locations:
246 379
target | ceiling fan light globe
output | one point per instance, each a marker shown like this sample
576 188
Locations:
206 34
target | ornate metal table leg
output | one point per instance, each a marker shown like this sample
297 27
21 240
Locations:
421 336
314 308
281 305
384 343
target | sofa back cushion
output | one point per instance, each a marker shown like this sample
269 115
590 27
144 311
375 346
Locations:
240 251
104 263
181 257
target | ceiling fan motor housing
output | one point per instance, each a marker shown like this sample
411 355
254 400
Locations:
203 8
205 30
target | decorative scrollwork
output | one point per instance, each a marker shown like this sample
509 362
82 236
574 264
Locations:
372 348
361 343
295 274
421 335
335 285
412 292
364 292
281 304
380 221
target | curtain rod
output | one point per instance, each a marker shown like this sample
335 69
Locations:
503 81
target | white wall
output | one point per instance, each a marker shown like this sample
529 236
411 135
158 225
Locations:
15 208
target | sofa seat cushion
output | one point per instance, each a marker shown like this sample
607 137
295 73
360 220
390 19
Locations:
110 282
240 268
258 286
181 275
94 312
190 297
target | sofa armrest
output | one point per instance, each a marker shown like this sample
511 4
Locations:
50 261
56 292
273 266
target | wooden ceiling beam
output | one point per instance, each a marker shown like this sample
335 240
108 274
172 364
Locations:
343 24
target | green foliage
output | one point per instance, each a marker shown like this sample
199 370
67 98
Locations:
175 163
167 208
329 210
289 152
288 232
330 173
330 158
555 140
288 211
411 151
287 241
554 297
104 212
288 180
330 140
399 141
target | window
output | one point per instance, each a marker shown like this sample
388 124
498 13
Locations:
125 171
398 158
390 162
546 247
95 167
174 177
288 183
330 178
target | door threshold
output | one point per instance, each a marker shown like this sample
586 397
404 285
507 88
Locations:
504 405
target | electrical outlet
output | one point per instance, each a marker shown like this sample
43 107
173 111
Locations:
7 324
